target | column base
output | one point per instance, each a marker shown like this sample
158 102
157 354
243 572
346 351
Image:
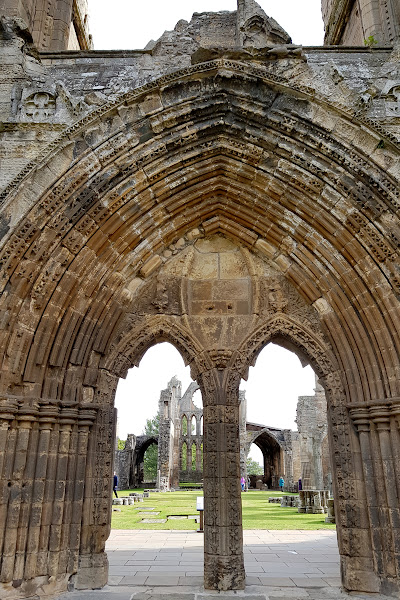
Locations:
35 588
358 575
224 573
92 572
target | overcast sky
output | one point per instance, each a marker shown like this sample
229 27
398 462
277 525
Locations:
278 378
128 24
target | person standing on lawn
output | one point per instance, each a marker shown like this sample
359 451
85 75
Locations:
242 483
115 484
281 483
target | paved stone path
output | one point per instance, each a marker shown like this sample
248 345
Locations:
157 565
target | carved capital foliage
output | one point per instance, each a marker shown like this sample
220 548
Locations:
219 387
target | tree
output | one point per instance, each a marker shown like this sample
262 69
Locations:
152 426
253 467
150 459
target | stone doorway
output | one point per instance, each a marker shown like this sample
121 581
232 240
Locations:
220 208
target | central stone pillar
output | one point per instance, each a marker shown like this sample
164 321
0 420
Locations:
223 536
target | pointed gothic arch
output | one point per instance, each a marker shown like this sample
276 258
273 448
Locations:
92 268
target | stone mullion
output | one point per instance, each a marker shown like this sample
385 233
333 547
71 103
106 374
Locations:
25 418
223 538
198 455
363 424
381 419
67 419
86 419
8 410
47 419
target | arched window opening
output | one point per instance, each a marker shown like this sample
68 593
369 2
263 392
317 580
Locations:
150 464
193 425
146 403
184 425
194 454
184 457
284 412
201 453
201 426
197 399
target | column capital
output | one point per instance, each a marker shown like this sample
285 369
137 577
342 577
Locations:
86 418
361 419
68 415
378 412
28 412
8 408
380 416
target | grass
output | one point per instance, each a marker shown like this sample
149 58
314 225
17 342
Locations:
257 513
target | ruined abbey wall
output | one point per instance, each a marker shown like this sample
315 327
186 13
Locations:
291 454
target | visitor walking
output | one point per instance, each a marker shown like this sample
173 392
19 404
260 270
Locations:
281 483
115 484
242 483
300 485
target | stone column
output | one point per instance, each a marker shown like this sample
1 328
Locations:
48 415
389 509
223 537
96 513
18 500
331 511
302 502
8 410
377 512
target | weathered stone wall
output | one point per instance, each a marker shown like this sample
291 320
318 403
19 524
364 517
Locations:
125 463
312 423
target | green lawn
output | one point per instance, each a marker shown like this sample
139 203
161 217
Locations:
257 513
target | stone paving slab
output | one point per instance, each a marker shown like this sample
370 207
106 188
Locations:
154 520
274 593
168 565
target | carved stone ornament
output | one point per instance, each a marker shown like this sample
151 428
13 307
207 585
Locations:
40 106
391 94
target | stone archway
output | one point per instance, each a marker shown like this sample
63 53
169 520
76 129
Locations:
217 208
272 453
142 445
